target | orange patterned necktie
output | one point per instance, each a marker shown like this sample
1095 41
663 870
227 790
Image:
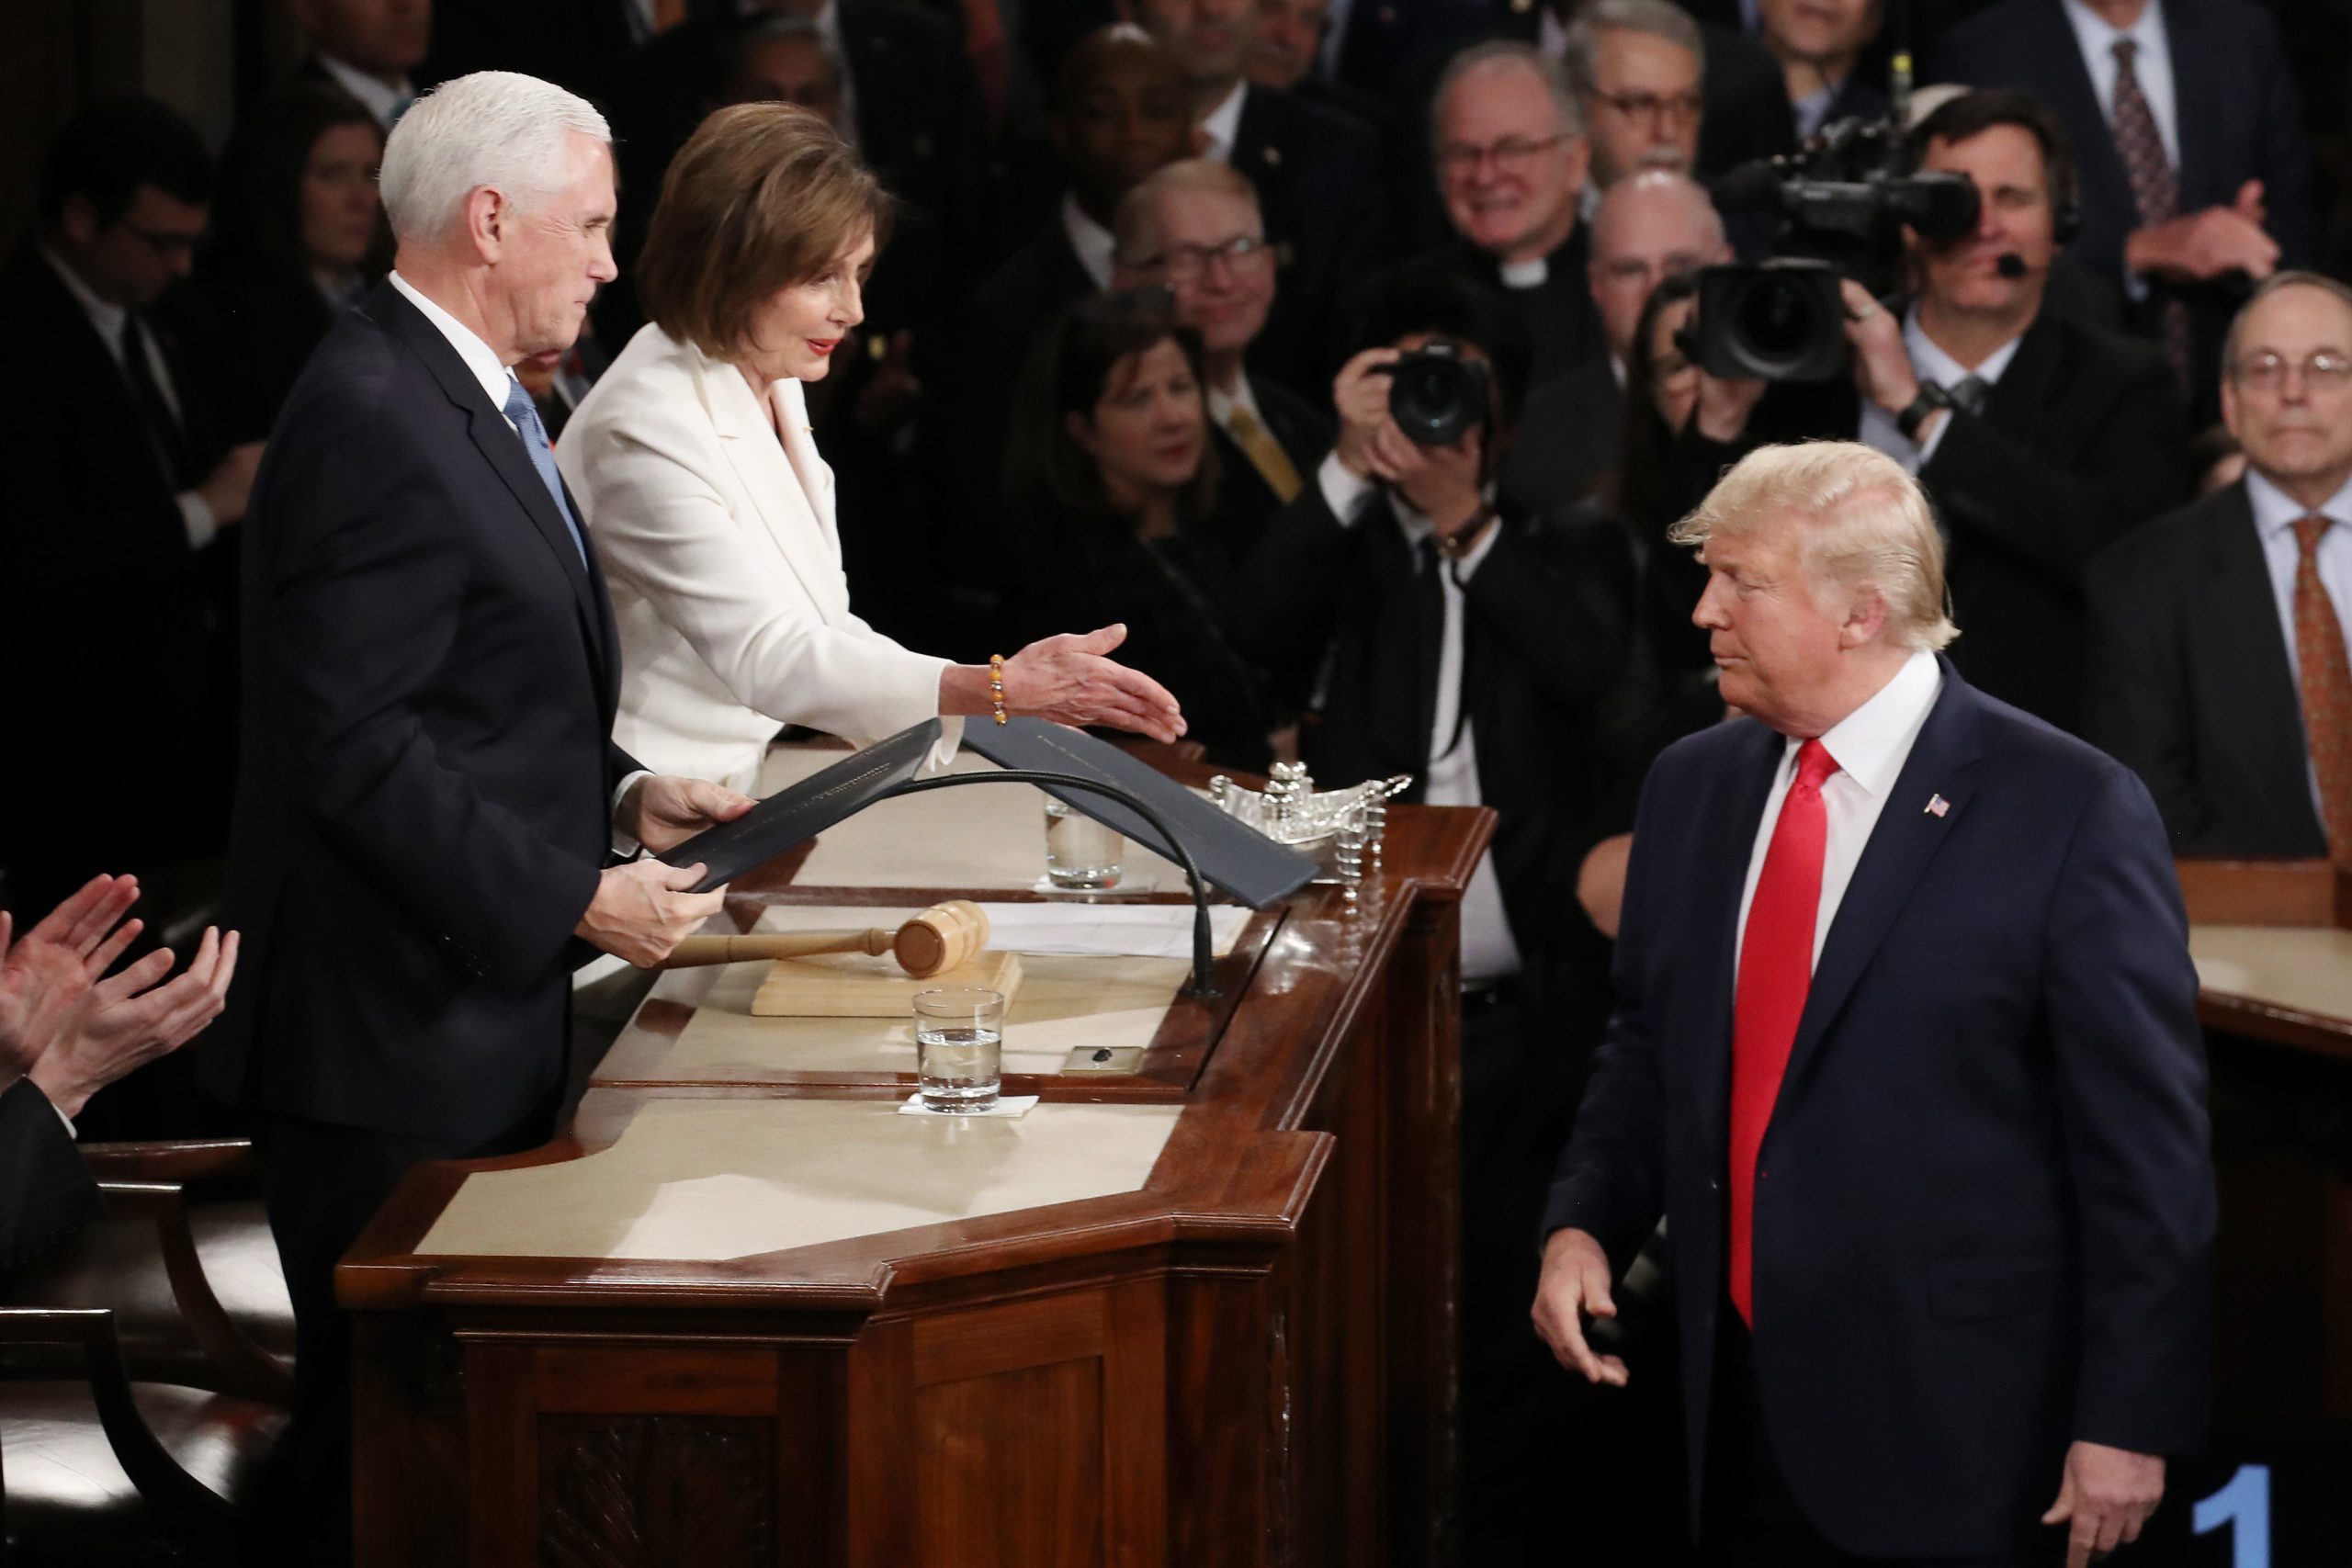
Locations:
2155 188
2326 682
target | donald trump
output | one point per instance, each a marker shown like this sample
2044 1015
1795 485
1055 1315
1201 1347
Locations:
1906 1052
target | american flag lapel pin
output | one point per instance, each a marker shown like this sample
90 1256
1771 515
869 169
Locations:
1937 806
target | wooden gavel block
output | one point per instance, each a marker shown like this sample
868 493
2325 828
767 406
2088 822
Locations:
940 939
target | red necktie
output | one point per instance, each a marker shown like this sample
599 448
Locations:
1775 973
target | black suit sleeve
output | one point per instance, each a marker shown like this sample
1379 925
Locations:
1990 483
2121 999
371 572
1612 1178
2134 688
46 1192
1280 610
1561 599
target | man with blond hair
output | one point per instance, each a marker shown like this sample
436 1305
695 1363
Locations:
1905 1050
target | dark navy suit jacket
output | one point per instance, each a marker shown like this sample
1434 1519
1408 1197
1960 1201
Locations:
1984 1203
425 801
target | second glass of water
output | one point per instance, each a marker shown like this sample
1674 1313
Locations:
959 1048
1080 851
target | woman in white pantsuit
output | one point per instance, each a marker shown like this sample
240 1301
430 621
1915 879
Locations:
711 510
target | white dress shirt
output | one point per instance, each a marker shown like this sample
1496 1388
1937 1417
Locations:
1223 124
196 513
1929 363
1870 746
385 101
2275 513
1095 245
1489 952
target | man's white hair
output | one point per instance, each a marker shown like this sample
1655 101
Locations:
496 129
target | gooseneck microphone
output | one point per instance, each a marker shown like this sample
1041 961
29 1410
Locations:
2010 265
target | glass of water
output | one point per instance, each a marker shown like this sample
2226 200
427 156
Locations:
1080 851
959 1048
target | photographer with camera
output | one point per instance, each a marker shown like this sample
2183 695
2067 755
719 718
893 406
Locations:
2038 438
1476 646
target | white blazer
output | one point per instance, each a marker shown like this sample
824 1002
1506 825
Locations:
719 549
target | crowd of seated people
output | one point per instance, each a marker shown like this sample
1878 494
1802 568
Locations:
1124 353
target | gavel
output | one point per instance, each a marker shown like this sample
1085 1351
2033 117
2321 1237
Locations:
939 938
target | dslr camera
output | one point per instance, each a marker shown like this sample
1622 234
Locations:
1838 207
1436 394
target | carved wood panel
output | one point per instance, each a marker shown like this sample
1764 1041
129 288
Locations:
653 1491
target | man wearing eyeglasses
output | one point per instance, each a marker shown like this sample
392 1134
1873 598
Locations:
125 478
2218 667
1509 139
2040 439
1636 66
1193 227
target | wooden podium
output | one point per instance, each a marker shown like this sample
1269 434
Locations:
2273 944
1199 1311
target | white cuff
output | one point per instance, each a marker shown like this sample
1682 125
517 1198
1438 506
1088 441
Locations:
198 519
1935 439
624 845
1346 493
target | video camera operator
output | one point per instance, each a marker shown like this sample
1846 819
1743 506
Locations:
2040 439
1475 645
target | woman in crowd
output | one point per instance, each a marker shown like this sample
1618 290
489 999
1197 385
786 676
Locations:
298 232
711 509
1111 480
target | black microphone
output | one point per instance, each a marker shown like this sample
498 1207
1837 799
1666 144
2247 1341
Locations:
2010 265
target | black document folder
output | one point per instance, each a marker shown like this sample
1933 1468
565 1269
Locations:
1232 855
1235 856
806 808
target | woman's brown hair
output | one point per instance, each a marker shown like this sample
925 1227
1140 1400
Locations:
1046 471
762 196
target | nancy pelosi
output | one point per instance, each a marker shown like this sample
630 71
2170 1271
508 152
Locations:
711 509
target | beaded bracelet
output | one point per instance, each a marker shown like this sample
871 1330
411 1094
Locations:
996 684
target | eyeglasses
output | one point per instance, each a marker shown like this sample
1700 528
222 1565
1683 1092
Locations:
1511 155
1244 253
1680 108
2325 371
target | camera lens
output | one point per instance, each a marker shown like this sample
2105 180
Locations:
1436 397
1776 321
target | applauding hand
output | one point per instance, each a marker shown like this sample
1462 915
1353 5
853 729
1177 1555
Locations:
46 972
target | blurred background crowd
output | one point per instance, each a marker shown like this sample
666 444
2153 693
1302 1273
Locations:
1356 354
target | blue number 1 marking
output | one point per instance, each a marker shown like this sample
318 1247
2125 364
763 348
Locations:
2245 1505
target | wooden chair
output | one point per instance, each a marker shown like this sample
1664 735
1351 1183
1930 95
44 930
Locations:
136 1409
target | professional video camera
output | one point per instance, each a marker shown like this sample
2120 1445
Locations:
1840 207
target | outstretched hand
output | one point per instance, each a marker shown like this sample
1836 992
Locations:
1069 679
45 974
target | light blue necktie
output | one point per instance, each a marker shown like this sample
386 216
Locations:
526 415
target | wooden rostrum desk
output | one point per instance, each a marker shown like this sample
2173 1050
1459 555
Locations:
2273 944
741 1312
